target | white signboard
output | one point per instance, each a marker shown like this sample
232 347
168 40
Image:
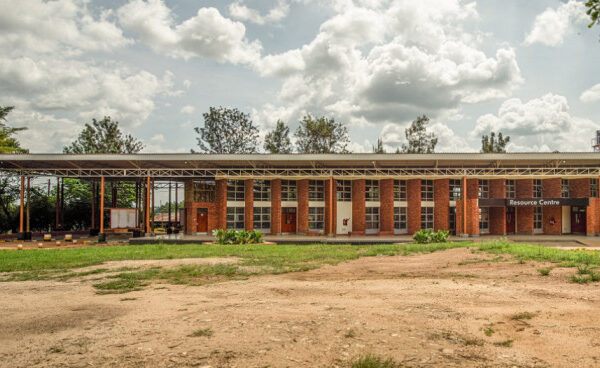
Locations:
123 218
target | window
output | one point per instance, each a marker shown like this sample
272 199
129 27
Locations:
484 188
511 189
399 218
427 190
344 190
455 189
262 190
372 190
262 218
372 218
484 219
316 190
537 218
426 217
593 188
235 190
538 191
316 218
564 188
399 190
289 191
235 218
205 191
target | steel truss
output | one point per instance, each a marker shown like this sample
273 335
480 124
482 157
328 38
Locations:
314 173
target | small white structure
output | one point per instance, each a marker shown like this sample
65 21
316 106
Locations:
123 218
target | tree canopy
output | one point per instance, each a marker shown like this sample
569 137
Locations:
104 136
419 141
491 144
379 148
321 135
278 140
593 10
8 142
227 130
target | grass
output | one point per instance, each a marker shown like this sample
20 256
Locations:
488 331
544 271
373 361
506 343
521 316
206 332
350 333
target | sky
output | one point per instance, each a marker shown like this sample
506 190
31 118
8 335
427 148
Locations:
526 68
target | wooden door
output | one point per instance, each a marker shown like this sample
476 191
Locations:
578 225
510 220
288 220
202 220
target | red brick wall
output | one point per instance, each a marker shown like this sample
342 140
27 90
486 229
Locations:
276 206
579 188
386 209
498 214
593 211
358 207
221 213
552 189
413 201
302 219
524 189
330 190
459 218
248 204
441 210
191 216
497 188
472 207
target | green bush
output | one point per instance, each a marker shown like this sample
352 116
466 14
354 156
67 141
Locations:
440 236
237 237
425 236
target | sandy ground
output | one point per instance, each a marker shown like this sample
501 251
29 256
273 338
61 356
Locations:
422 310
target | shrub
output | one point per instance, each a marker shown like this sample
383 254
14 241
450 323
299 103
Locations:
237 237
425 236
544 271
440 236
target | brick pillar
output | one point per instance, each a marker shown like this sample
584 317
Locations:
498 214
330 206
386 207
221 204
249 204
413 202
358 207
188 197
472 206
441 209
552 189
524 189
302 220
276 206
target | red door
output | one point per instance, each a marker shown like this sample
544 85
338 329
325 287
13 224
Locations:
202 220
510 220
288 220
578 225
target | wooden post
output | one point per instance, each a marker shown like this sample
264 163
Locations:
93 222
176 202
28 200
147 209
57 220
169 203
101 204
22 204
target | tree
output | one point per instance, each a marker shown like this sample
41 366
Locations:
379 148
9 143
104 136
593 11
419 141
227 130
278 140
321 135
489 144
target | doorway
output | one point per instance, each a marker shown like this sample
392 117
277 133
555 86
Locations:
578 220
202 220
288 219
510 220
452 220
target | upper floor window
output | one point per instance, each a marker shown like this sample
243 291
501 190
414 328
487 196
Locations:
399 190
537 188
372 190
564 188
484 188
511 189
594 188
455 189
262 190
427 190
344 190
316 190
205 191
289 190
235 190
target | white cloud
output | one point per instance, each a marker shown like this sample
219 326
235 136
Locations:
240 11
540 124
187 109
157 138
45 132
207 34
187 84
592 94
394 137
551 26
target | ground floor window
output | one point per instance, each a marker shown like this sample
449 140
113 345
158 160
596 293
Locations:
372 218
400 218
484 219
426 217
316 218
235 218
262 218
537 218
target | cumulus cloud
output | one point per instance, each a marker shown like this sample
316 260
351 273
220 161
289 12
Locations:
591 95
187 109
551 26
393 137
240 11
540 124
207 34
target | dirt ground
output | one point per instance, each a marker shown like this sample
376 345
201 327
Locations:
422 310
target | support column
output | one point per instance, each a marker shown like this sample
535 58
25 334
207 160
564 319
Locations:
358 207
498 214
222 204
22 204
101 235
441 205
524 189
248 204
472 211
276 206
93 217
169 222
302 218
147 207
552 216
27 228
176 202
330 205
153 205
57 209
62 203
386 207
413 202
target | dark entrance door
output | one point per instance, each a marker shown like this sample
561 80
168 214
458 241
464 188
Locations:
510 220
578 224
452 220
288 220
202 220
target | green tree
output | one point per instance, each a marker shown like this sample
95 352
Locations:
9 143
419 141
493 144
227 130
278 140
379 148
104 136
321 135
593 10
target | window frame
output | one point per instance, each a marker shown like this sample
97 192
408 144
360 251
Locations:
400 190
538 188
262 190
510 188
455 195
400 219
236 190
484 220
483 188
565 189
262 212
200 193
372 190
538 218
316 218
427 190
427 212
372 217
289 190
316 190
343 190
237 213
593 187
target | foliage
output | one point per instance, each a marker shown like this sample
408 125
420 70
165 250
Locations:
104 136
419 141
593 11
425 236
227 130
489 144
278 140
374 361
241 237
321 135
9 143
544 271
379 148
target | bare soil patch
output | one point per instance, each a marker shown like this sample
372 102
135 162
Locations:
453 308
